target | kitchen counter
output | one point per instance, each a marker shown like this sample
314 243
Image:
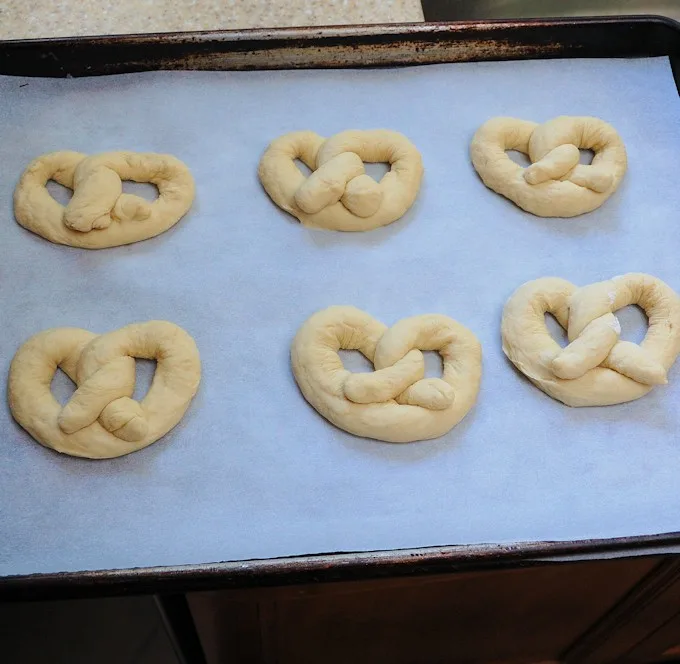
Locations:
22 19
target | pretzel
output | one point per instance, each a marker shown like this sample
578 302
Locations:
339 195
395 403
101 420
555 185
596 368
99 214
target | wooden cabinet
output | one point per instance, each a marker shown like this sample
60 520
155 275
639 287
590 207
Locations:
624 610
643 627
585 612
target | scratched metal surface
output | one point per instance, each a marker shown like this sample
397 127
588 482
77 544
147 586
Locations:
343 46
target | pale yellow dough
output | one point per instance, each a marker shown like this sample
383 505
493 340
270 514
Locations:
555 185
339 195
99 214
596 368
395 403
101 420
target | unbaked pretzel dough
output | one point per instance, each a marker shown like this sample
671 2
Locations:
555 185
595 369
339 195
395 403
101 420
99 214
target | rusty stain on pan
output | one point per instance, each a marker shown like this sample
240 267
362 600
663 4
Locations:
354 46
413 53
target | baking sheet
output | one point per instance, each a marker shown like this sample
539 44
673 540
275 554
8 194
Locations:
252 471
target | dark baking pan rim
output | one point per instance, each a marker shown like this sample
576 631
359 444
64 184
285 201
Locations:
324 568
381 45
348 46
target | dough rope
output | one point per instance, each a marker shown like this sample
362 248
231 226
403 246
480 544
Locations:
99 214
596 368
555 185
395 403
339 195
101 420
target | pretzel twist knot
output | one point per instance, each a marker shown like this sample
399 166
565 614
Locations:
596 368
339 195
555 184
101 420
100 214
395 403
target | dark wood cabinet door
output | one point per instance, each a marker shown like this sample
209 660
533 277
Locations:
643 627
530 614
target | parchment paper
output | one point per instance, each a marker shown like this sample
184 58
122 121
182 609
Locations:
252 471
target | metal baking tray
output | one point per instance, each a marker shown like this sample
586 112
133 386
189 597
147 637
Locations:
337 47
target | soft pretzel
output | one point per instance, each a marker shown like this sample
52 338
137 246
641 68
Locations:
101 420
339 195
596 368
395 403
99 214
555 185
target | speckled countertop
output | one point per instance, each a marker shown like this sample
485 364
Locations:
21 19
